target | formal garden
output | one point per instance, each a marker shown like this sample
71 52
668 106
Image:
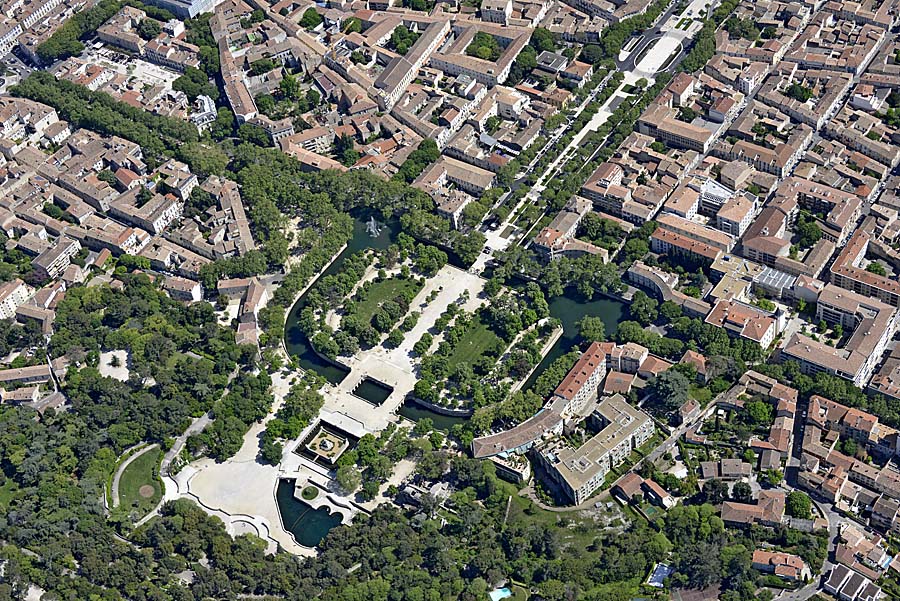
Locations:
474 359
368 302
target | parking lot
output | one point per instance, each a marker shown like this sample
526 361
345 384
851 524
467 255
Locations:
16 70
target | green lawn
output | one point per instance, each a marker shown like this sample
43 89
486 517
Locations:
379 292
477 339
140 473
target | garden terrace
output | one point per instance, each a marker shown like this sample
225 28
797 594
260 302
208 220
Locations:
481 355
368 299
374 294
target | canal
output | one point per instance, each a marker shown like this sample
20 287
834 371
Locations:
568 309
294 339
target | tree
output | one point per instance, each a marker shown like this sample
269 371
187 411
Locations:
759 412
271 451
670 310
670 389
741 492
429 259
542 40
808 230
484 46
421 347
209 60
715 491
348 478
798 505
289 87
148 29
401 39
876 268
643 308
687 114
394 339
742 28
774 477
107 176
65 41
205 159
749 456
345 151
425 154
798 92
263 65
311 19
266 104
223 126
592 328
194 82
254 134
352 25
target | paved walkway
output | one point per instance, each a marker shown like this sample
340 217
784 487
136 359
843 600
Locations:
396 367
241 490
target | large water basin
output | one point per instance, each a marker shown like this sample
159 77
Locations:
309 526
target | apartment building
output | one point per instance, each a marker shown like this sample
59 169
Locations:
25 375
767 511
665 241
784 565
873 324
496 11
183 289
52 262
832 88
659 122
9 34
121 30
695 231
12 294
154 215
835 44
186 9
841 209
865 133
580 384
849 422
744 321
468 178
454 60
580 472
736 215
848 585
848 272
